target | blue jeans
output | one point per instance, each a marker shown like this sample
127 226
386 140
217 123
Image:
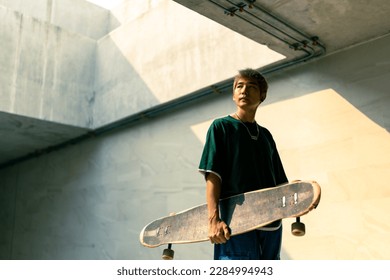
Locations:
253 245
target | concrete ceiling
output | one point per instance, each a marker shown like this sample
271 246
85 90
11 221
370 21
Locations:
299 29
283 25
23 137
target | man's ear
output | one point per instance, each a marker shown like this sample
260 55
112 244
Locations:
263 96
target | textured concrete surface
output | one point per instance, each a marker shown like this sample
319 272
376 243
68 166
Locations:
40 134
46 72
81 17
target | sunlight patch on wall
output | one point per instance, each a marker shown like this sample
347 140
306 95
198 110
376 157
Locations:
200 130
327 126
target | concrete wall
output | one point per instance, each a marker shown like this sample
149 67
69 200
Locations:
329 117
46 71
76 16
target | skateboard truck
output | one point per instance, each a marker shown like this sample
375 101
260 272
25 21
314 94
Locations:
298 228
168 253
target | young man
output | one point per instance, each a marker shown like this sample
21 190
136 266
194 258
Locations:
241 156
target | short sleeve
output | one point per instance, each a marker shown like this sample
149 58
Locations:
211 161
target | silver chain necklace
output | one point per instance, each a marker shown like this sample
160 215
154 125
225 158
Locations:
257 127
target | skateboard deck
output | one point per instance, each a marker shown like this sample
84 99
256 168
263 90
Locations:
242 213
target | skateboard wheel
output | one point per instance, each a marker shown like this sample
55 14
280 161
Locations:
168 254
298 228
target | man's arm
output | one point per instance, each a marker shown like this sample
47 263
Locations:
218 230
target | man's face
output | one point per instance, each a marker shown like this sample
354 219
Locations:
246 94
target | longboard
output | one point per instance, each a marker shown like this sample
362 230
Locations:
242 213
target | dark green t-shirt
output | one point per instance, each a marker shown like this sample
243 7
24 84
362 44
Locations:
243 164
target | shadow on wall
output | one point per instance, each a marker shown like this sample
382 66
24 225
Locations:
48 205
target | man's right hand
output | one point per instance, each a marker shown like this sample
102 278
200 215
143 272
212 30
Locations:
218 231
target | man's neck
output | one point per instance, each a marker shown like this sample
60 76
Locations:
245 116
